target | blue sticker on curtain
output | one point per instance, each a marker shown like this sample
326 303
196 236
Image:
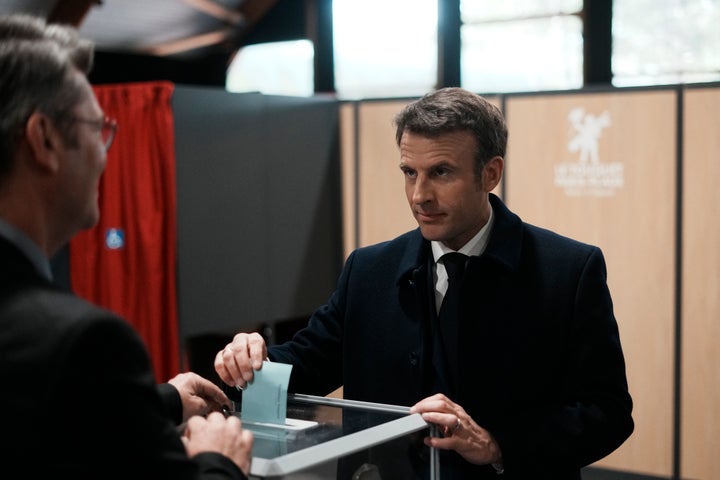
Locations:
114 238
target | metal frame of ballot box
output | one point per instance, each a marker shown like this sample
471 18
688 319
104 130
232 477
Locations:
316 436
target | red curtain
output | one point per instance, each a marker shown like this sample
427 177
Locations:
127 262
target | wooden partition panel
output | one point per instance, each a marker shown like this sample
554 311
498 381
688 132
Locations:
700 400
348 163
383 211
601 168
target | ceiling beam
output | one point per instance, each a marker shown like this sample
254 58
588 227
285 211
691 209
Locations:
240 21
209 7
71 12
190 43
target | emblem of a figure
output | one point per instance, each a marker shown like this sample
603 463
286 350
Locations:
588 128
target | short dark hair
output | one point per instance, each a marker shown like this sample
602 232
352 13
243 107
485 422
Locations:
37 62
455 109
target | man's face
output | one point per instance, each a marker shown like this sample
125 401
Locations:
83 165
447 198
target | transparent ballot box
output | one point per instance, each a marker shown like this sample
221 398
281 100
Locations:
330 438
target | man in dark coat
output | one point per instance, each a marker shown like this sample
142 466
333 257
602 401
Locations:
527 377
78 393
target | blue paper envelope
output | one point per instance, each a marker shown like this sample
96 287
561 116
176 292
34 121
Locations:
264 400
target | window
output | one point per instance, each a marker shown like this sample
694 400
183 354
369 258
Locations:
521 45
388 48
384 48
278 68
665 41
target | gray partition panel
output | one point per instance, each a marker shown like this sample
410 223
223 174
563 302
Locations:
259 207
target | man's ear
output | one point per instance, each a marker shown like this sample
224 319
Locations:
44 140
492 173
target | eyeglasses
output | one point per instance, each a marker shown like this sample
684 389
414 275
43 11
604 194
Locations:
107 127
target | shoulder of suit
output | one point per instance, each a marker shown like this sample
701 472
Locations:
554 239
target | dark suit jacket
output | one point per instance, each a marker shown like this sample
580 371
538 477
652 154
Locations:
79 398
541 362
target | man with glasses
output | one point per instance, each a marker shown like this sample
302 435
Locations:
105 125
78 390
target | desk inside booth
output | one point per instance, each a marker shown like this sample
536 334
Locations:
329 438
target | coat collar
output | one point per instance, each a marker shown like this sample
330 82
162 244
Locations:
503 249
505 242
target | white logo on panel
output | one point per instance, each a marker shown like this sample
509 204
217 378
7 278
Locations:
588 176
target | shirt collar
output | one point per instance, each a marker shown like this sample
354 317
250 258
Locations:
475 247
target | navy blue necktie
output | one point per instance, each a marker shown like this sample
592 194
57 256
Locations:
448 320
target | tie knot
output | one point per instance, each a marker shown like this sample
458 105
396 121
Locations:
454 264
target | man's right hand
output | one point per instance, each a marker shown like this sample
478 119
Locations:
222 435
236 362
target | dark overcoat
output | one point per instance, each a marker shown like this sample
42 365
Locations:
79 398
541 365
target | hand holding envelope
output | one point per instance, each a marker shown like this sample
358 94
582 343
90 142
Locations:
264 399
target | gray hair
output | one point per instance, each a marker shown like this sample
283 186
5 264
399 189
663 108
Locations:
455 109
37 65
